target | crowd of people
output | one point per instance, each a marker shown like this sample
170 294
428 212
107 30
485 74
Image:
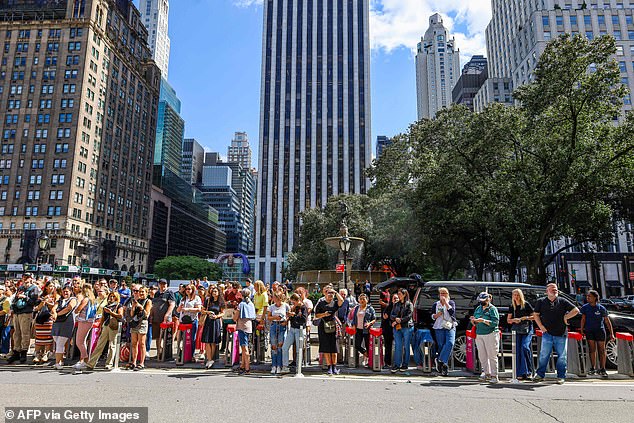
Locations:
92 317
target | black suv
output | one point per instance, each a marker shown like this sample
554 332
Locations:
465 295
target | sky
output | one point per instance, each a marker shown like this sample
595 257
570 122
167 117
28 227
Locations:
216 49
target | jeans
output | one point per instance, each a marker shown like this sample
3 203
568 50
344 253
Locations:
524 354
277 340
560 343
401 346
5 339
388 340
445 339
148 340
294 336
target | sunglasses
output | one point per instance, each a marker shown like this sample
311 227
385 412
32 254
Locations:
135 290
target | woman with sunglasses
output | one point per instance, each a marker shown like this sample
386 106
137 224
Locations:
43 323
109 323
86 311
138 321
326 311
213 308
277 316
403 325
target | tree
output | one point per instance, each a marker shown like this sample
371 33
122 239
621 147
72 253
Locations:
187 268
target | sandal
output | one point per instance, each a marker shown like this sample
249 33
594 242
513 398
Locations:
130 366
139 367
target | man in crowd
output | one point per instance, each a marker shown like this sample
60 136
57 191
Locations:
124 293
163 305
250 287
112 285
22 307
551 315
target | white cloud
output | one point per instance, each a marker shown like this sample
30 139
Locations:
401 23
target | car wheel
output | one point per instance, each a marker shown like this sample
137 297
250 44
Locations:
460 350
611 354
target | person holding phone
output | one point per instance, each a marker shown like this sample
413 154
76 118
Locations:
402 326
277 315
521 318
109 323
326 311
486 319
213 308
363 318
594 321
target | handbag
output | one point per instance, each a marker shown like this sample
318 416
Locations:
330 326
521 328
43 316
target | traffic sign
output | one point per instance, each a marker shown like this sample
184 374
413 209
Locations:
341 268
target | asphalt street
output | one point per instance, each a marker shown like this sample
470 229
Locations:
185 395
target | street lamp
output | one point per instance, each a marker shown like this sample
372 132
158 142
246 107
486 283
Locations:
44 243
344 246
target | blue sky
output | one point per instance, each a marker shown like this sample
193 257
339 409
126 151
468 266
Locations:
215 62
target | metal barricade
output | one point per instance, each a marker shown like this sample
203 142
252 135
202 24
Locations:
625 353
502 352
551 362
427 351
514 357
577 352
471 353
352 357
184 346
117 350
165 341
259 340
375 356
230 348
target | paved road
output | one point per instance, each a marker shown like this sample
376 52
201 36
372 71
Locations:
191 396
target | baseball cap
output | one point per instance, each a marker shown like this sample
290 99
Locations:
162 280
27 275
483 296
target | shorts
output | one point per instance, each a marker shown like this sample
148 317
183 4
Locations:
595 335
141 329
243 338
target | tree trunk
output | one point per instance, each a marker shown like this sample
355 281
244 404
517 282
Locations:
537 270
513 262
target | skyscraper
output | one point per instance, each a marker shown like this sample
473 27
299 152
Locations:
155 16
474 74
382 142
192 159
437 69
314 119
240 151
79 110
170 130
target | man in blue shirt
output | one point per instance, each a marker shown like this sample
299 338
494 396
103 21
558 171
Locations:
594 320
124 292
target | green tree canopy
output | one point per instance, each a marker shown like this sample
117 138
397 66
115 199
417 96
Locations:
186 268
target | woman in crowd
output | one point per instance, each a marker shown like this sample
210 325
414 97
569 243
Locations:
43 323
486 320
277 315
594 321
403 325
520 318
213 309
388 331
6 297
244 316
443 312
138 321
86 312
297 316
303 294
326 311
261 303
363 318
109 323
190 306
62 330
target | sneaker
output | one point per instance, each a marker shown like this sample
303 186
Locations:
386 367
419 367
45 358
59 366
80 365
37 359
394 369
592 371
273 370
330 373
403 369
602 373
445 370
493 380
561 381
108 367
285 371
538 379
483 376
336 371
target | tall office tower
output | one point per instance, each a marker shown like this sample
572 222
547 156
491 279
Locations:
79 105
437 69
517 34
474 74
170 129
240 150
155 15
382 142
192 160
314 118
